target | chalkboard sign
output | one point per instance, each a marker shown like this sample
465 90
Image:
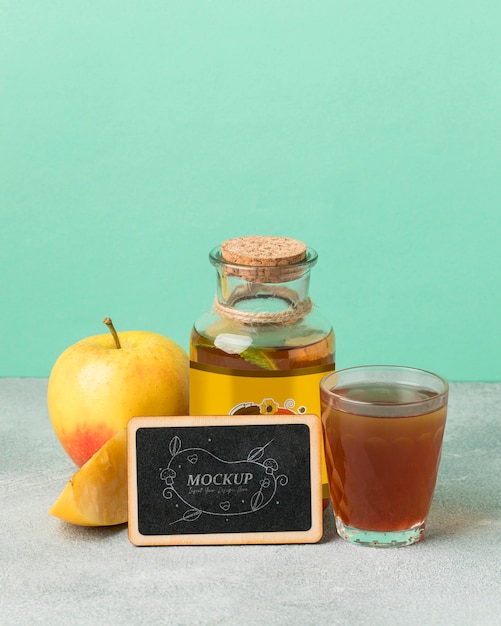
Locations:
224 480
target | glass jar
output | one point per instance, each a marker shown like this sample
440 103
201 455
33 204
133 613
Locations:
263 347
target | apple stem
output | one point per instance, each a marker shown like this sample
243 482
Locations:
109 323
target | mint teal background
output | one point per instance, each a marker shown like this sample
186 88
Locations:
135 136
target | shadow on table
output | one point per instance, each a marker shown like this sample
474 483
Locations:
462 508
329 532
90 533
458 509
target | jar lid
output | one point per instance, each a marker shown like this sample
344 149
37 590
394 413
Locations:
263 259
263 251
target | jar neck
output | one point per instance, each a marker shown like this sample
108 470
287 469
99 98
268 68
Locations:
257 295
256 303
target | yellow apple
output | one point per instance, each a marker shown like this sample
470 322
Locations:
101 382
96 495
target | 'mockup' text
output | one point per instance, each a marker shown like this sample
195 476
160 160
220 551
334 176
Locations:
238 478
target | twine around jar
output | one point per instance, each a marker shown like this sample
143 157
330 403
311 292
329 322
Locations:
296 311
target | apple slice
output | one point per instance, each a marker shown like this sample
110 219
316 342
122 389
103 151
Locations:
96 495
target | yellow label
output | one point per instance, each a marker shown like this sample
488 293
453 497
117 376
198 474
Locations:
222 391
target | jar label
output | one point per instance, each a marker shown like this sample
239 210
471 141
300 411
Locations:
223 391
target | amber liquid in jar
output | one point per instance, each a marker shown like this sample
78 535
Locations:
272 358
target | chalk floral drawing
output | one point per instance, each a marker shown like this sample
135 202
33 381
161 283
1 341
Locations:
209 485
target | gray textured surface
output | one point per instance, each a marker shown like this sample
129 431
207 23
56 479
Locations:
55 573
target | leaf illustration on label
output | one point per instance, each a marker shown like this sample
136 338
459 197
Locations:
256 500
175 445
190 515
256 453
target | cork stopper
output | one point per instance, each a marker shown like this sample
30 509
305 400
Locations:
263 259
263 251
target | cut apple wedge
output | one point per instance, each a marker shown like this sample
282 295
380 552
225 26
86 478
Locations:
96 495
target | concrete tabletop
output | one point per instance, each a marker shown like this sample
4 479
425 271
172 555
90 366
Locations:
56 573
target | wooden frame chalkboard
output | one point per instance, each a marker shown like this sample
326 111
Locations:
224 480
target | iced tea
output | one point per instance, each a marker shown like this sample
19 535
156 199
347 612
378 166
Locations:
383 443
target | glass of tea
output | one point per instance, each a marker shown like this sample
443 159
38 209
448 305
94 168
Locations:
383 428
